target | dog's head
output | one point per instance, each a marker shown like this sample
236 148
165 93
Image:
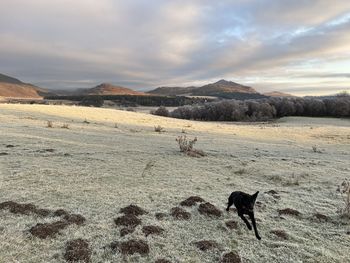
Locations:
248 203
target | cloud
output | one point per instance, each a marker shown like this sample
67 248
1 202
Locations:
144 44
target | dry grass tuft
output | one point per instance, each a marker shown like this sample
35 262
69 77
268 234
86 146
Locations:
65 126
186 146
78 251
49 124
315 149
161 216
159 129
344 189
209 210
192 200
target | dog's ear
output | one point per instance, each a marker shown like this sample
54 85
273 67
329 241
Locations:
254 196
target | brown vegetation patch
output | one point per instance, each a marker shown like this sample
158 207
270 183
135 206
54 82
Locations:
162 260
192 200
231 257
48 229
321 217
77 251
75 219
231 224
289 211
131 247
133 210
127 220
209 210
126 231
152 230
160 216
205 245
179 213
280 233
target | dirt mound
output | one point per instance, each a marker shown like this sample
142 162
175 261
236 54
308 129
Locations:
127 220
179 213
321 217
24 209
160 216
209 210
231 257
152 230
205 245
75 219
131 247
126 231
231 224
133 210
77 251
289 211
48 229
60 212
162 260
192 200
280 233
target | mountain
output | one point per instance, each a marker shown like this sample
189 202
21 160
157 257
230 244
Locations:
278 94
109 89
221 88
13 88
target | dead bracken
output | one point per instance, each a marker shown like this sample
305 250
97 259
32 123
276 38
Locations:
209 210
127 220
78 251
152 230
133 210
289 211
192 200
231 257
179 213
130 247
205 245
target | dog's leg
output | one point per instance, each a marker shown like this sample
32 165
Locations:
245 221
230 202
251 215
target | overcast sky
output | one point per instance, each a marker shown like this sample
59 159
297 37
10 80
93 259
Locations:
296 46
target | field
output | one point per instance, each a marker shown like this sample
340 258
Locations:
93 162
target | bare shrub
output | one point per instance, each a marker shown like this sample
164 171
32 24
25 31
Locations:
344 189
186 146
49 124
159 129
161 111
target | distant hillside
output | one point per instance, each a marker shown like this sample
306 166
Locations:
278 94
13 88
109 89
221 88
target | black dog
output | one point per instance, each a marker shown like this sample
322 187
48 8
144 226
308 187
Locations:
245 206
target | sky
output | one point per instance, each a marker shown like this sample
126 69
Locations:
295 46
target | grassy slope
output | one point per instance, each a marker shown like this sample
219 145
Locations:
103 173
